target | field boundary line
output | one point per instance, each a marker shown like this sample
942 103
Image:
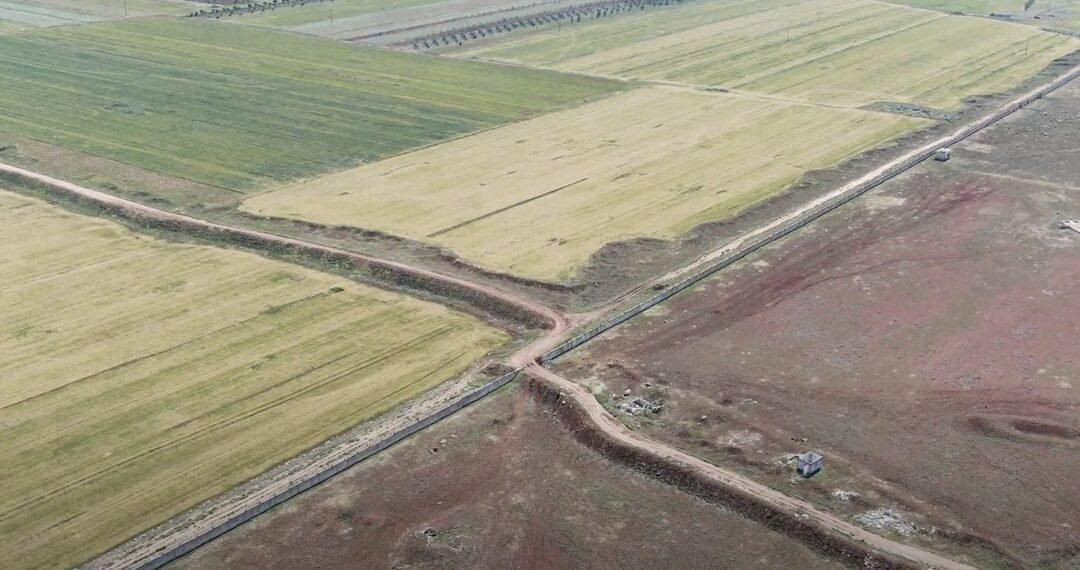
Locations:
143 553
403 275
753 241
827 534
140 552
505 208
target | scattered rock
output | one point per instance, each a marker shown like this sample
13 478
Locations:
914 111
845 495
639 407
703 418
887 519
626 392
430 532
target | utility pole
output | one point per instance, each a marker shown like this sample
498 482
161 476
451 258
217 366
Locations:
125 8
331 14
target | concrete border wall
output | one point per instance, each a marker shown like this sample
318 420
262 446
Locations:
856 189
163 558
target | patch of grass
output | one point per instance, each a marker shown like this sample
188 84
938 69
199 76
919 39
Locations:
846 52
129 360
240 107
538 198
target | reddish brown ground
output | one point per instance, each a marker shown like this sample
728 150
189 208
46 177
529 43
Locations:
925 339
507 488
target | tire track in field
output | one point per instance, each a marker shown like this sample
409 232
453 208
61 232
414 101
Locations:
235 418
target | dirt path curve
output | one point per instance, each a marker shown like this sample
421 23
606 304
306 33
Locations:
525 358
557 320
618 431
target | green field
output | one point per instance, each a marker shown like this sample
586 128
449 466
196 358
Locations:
539 197
141 377
241 107
842 52
300 15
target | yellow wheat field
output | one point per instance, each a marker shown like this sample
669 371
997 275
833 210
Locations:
840 52
539 197
139 377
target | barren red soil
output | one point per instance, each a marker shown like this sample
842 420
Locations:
925 339
508 487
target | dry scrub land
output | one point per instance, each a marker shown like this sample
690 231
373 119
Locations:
539 197
141 377
923 339
838 52
240 107
506 488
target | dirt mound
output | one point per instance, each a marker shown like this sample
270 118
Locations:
1022 429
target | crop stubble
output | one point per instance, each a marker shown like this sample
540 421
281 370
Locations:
537 198
840 52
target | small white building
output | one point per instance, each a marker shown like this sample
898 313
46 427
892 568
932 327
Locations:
942 154
808 464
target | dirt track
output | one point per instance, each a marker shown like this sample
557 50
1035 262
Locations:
526 357
139 211
620 433
558 323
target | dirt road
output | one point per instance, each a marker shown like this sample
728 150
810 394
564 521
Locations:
557 320
526 358
619 432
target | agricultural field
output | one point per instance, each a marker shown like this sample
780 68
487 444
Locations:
1054 14
538 198
42 13
389 23
240 107
341 10
922 338
507 488
836 52
142 377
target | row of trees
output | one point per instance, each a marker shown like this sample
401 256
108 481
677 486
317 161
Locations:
570 15
240 8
